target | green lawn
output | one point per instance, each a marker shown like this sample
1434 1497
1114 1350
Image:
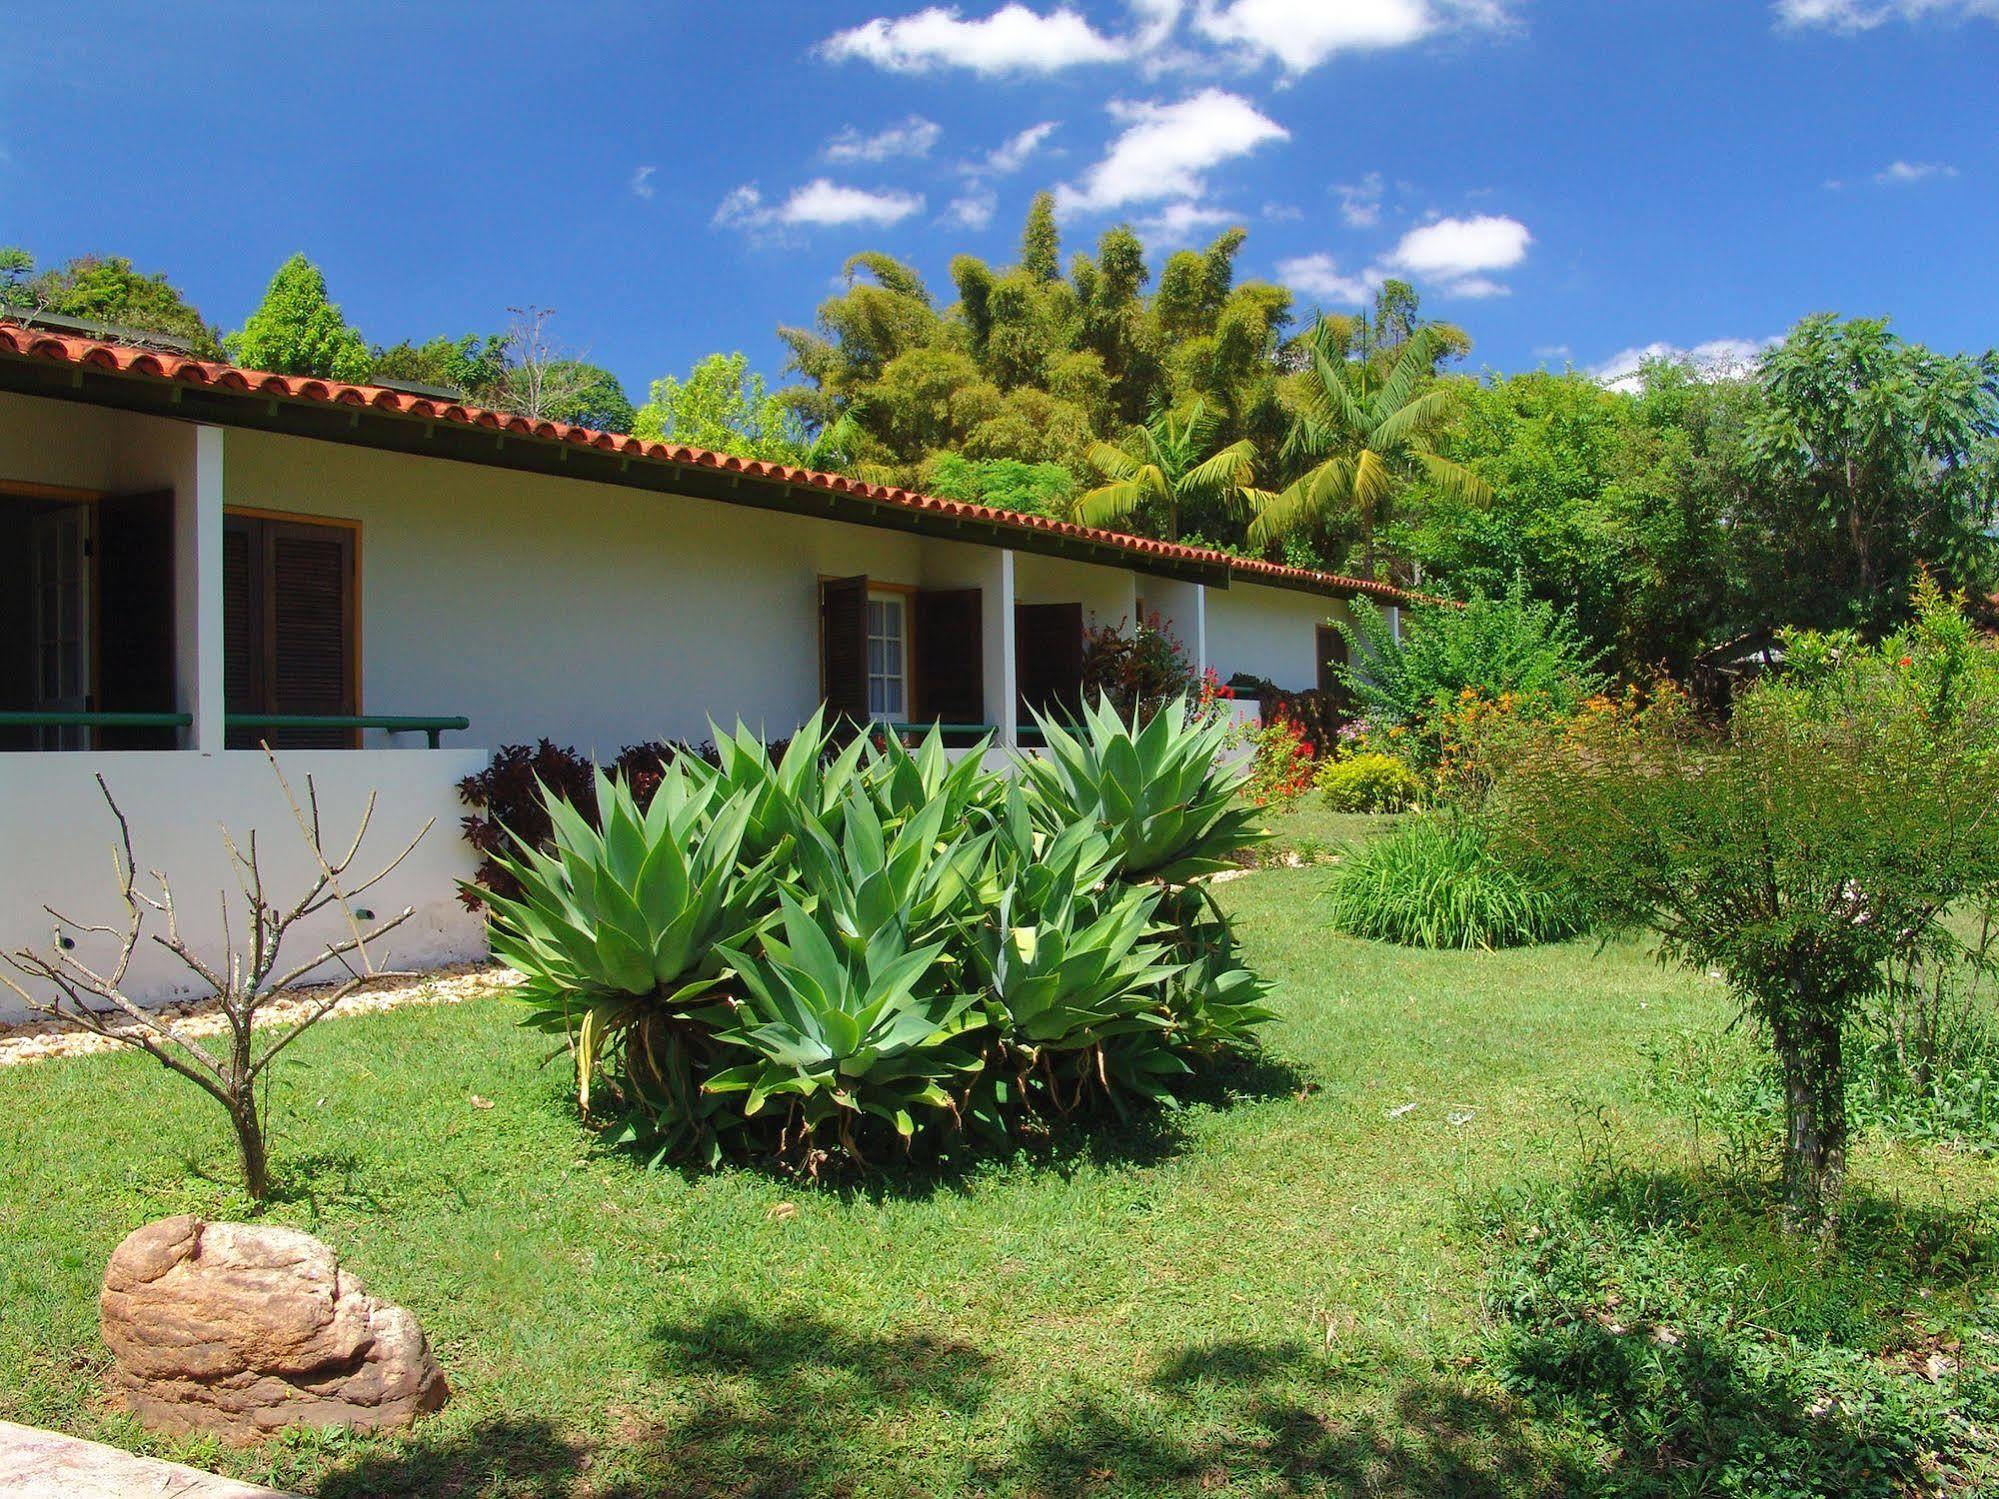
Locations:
1274 1292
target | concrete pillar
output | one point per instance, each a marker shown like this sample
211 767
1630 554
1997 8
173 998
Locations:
1002 678
198 668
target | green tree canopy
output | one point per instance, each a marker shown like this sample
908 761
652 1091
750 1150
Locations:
106 289
297 330
724 405
1163 468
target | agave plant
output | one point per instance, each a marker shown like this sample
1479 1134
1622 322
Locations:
806 786
1067 959
617 932
839 1032
1158 793
908 878
903 781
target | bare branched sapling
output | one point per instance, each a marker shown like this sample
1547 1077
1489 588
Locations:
246 978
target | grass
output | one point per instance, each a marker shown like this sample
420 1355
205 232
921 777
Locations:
1273 1292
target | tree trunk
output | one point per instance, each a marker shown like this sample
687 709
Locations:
250 1141
1814 1118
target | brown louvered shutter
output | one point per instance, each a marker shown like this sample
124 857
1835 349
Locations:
843 648
309 613
1048 642
289 637
948 636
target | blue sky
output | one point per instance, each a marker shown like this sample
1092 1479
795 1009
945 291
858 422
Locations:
1569 179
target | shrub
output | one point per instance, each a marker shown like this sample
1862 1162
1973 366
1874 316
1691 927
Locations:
1806 851
1709 1355
1439 882
1489 648
1139 670
1368 782
1281 766
826 958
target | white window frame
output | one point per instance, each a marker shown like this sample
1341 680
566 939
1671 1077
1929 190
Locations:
894 606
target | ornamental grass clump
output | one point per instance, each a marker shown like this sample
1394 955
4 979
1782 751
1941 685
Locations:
843 956
1438 881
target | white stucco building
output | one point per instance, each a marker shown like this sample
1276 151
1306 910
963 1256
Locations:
194 558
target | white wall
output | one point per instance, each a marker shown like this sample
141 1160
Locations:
1268 632
58 837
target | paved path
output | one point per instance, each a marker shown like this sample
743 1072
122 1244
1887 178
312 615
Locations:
37 1464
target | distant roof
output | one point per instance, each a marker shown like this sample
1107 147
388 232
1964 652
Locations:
250 397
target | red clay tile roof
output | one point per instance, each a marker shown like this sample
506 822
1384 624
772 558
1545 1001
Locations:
158 364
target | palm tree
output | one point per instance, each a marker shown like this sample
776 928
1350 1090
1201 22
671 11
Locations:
1161 466
1364 427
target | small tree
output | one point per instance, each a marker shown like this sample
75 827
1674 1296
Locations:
1804 851
251 976
298 330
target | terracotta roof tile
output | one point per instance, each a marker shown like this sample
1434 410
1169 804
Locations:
127 360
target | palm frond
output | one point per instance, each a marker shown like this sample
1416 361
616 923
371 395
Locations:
1456 481
1112 461
1276 514
1414 418
1231 468
1111 503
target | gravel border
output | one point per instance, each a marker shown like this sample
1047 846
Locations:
42 1040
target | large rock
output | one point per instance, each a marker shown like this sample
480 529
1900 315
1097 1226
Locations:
238 1329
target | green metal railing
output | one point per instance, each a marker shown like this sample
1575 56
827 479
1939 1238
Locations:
11 719
430 727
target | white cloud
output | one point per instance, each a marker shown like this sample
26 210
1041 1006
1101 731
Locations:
1852 16
1360 202
1458 255
1164 149
1320 276
915 136
642 182
1553 351
1013 39
1282 213
1014 154
1182 223
1300 34
1899 173
1717 359
973 211
819 202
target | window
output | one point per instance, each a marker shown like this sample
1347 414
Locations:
289 628
888 658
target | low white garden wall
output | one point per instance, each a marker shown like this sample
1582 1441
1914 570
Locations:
57 837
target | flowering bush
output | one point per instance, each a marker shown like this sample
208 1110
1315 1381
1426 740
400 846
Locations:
1368 782
1281 763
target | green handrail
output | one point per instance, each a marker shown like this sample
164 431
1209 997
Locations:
36 719
430 728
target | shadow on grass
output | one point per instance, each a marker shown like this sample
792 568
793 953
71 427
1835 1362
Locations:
522 1458
792 1405
1247 1417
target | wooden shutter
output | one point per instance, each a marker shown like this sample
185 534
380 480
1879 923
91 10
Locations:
289 629
949 640
135 614
843 648
1048 644
1331 653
